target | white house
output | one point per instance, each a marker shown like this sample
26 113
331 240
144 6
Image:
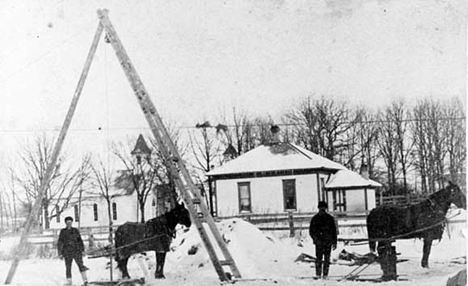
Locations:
281 177
91 211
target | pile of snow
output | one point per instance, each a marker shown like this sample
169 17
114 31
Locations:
246 243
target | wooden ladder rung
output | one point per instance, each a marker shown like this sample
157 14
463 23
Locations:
226 262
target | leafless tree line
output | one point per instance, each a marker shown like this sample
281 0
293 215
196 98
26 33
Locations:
92 176
407 148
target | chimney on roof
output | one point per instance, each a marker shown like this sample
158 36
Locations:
274 129
364 171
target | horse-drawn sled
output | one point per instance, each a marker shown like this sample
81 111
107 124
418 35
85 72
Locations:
135 238
388 223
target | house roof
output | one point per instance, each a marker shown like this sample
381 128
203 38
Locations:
346 178
280 156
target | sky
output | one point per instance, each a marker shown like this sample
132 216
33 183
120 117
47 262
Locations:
199 59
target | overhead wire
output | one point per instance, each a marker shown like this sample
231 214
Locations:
194 127
50 51
108 129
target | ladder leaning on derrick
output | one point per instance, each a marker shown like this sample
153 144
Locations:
187 190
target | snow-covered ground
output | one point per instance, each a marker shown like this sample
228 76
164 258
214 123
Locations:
265 259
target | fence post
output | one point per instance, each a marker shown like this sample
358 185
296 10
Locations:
54 238
291 224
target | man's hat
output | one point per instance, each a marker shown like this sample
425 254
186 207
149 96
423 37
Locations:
322 205
68 218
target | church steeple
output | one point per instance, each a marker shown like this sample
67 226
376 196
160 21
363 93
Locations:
141 148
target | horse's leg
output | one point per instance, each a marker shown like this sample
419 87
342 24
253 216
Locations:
122 265
160 259
383 258
426 252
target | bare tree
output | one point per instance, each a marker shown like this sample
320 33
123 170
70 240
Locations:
166 189
388 146
65 182
140 173
397 117
206 150
11 205
428 130
322 125
335 119
103 179
422 149
362 150
261 132
305 125
240 134
205 146
455 134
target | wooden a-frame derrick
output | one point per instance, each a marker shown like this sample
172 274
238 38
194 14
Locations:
187 190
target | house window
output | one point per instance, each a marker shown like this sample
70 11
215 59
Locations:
57 211
245 203
114 211
339 200
289 194
77 213
95 211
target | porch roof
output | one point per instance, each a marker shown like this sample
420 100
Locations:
346 178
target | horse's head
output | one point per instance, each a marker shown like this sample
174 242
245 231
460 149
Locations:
182 215
457 197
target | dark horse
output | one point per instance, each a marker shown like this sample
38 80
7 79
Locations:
154 235
422 220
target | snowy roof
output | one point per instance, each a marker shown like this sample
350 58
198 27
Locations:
347 178
281 156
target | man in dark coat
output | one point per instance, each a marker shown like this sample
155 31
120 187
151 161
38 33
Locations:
323 232
70 247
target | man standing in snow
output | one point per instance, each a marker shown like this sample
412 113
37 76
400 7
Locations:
70 247
323 232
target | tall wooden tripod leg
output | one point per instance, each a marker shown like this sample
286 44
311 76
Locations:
56 152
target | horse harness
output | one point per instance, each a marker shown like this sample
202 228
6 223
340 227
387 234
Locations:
163 229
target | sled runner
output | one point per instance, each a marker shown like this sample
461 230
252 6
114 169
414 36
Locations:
124 282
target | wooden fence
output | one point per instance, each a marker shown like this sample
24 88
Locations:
90 235
399 200
288 223
293 222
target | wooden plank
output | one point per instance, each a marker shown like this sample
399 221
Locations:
55 154
169 150
252 216
364 239
137 281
